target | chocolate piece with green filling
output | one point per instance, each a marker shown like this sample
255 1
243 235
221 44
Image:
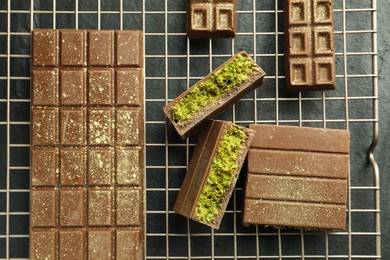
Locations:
213 172
214 94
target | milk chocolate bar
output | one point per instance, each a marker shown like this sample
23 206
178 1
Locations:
211 18
297 177
87 166
309 45
213 172
214 93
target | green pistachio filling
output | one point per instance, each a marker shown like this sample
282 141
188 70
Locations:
229 76
222 173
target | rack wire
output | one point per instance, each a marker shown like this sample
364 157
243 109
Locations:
172 64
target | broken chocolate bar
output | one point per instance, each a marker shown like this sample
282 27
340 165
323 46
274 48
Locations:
214 93
309 45
211 18
87 191
297 177
213 172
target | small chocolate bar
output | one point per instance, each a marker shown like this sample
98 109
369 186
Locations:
213 172
211 18
87 166
214 94
297 177
309 45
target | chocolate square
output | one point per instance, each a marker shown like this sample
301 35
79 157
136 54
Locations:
45 48
324 71
128 171
299 42
129 48
127 244
73 48
299 12
73 167
323 13
101 86
128 83
43 203
44 171
323 41
100 126
72 244
128 207
300 72
44 126
100 166
73 86
73 127
72 207
43 244
100 243
45 87
100 207
127 126
100 51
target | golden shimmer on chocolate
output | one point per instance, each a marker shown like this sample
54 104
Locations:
297 177
309 45
87 145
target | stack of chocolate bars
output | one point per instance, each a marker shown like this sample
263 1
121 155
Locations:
87 172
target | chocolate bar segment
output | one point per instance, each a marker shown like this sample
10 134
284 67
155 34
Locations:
214 94
297 177
213 172
309 45
87 145
211 18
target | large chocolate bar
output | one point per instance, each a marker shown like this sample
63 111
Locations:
87 155
297 177
213 172
309 45
215 93
211 18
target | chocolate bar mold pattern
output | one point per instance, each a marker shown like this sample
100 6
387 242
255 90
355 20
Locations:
211 18
310 50
87 145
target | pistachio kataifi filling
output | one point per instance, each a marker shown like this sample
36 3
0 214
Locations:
231 75
223 171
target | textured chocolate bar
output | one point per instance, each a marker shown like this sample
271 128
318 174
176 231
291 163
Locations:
309 45
208 185
219 98
211 18
297 177
87 195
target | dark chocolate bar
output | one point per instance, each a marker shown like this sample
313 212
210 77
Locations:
309 45
211 18
215 93
213 172
297 177
87 191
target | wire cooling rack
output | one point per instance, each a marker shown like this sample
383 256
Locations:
173 63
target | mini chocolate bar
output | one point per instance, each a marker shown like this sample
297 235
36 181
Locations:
297 177
213 172
214 94
211 18
87 155
309 45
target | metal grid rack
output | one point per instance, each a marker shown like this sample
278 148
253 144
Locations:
173 63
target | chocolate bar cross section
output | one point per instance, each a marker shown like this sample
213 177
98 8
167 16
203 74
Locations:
87 155
297 177
211 18
309 45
